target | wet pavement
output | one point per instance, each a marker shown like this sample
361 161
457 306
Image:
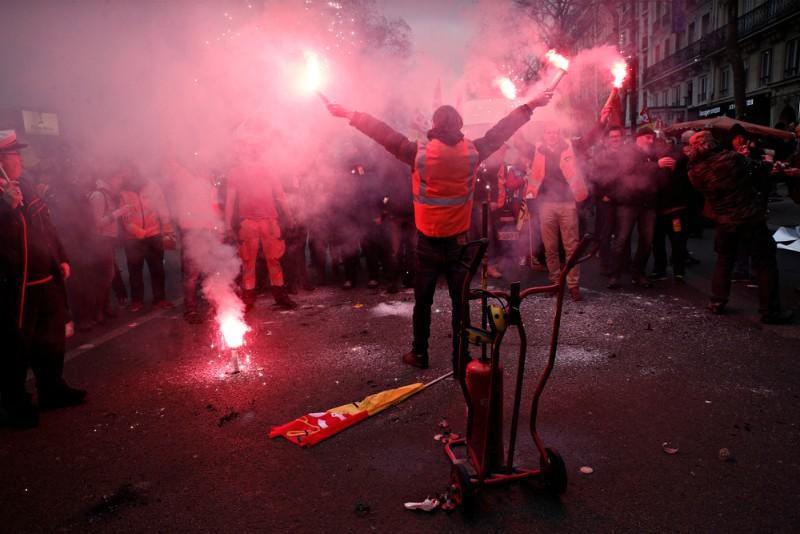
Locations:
688 421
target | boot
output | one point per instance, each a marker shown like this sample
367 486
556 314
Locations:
249 299
282 298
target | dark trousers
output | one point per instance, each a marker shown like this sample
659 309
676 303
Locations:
402 246
627 217
39 343
757 240
666 226
605 219
437 256
139 251
102 269
190 271
295 272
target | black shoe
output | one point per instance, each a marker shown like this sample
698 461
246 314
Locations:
691 260
642 281
282 298
717 308
61 398
415 360
657 275
784 317
613 283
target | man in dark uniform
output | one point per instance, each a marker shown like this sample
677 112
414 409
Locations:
33 310
444 171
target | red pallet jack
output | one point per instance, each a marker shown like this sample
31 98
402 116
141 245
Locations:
482 385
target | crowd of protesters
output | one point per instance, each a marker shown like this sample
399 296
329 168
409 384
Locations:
647 192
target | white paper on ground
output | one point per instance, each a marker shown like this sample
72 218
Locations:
794 247
785 233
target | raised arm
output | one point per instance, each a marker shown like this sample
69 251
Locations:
508 125
393 141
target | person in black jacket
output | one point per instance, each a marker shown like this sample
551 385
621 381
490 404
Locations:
33 308
730 183
443 182
635 195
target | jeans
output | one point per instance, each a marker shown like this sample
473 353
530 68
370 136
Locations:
678 234
151 250
757 240
645 220
437 256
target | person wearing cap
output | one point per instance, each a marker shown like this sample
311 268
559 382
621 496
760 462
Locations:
33 309
444 170
635 197
730 182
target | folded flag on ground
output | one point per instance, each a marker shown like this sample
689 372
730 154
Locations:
310 429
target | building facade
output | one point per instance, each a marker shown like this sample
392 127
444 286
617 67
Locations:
686 73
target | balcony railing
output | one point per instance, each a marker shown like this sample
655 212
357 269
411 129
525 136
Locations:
749 23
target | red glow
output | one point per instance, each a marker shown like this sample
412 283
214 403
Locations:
313 77
507 87
233 330
620 71
557 60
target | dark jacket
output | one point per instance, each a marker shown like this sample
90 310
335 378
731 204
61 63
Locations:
406 150
36 257
637 179
676 193
730 183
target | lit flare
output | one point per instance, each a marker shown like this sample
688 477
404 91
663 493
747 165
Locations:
620 71
506 87
559 62
233 330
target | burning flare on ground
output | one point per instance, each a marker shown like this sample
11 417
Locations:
233 329
506 87
559 62
620 71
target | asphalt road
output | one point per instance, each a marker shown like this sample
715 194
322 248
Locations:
168 442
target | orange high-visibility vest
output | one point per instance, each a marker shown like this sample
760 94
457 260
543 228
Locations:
443 184
569 168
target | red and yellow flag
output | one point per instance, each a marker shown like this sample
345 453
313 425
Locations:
312 428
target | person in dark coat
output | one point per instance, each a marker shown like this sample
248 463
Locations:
33 306
730 182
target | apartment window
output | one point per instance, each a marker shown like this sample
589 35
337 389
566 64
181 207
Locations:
666 47
676 96
702 92
792 59
657 54
665 97
747 6
724 81
690 35
765 67
680 39
689 93
705 24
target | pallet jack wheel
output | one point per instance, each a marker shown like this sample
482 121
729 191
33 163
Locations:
555 475
461 489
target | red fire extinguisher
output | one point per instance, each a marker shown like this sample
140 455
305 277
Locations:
487 413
